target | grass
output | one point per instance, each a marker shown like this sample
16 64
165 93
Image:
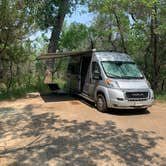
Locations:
62 84
21 92
18 93
161 96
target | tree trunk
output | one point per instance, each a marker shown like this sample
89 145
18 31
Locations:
146 60
11 76
163 84
91 43
57 27
154 45
120 31
112 42
63 8
4 44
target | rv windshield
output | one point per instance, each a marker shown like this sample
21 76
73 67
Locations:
124 70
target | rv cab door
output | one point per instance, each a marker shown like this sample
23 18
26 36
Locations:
94 79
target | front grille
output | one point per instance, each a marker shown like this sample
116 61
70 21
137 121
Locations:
137 96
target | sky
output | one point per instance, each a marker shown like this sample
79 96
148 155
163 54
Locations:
80 15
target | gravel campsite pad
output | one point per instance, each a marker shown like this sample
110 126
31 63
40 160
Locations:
61 130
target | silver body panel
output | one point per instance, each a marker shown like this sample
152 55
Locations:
121 97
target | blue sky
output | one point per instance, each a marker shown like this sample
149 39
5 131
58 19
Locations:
80 15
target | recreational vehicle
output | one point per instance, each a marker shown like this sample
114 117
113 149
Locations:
110 79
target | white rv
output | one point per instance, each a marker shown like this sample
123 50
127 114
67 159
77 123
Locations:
110 79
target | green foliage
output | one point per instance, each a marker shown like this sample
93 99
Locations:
59 77
15 47
161 96
74 37
21 92
62 84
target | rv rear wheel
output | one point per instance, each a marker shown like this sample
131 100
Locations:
101 103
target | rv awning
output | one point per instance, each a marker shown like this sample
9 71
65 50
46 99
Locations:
62 55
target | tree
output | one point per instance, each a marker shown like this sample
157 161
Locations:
117 24
15 25
151 15
49 15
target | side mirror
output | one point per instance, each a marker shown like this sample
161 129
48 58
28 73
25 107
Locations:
97 76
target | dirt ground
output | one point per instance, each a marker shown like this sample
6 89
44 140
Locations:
60 130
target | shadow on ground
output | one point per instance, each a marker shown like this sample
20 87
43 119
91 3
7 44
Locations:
65 142
54 97
60 97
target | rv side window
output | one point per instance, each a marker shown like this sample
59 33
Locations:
95 68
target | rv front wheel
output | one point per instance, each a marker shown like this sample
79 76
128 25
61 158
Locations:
101 103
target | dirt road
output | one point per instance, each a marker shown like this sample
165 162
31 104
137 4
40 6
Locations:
60 130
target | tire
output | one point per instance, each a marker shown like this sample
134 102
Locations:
101 103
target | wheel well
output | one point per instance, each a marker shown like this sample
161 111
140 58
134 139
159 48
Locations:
100 93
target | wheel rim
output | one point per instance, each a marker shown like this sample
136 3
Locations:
100 103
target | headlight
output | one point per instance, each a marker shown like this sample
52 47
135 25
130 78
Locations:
112 84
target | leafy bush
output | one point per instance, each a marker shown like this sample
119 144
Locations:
161 96
21 92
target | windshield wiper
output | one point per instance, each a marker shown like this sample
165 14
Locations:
130 77
114 76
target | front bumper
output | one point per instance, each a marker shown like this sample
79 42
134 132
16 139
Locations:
114 102
131 104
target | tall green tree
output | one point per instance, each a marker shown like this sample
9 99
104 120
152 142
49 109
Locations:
115 19
49 16
15 26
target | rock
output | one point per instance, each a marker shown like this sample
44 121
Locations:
33 95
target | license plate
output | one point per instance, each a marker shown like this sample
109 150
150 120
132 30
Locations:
137 103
